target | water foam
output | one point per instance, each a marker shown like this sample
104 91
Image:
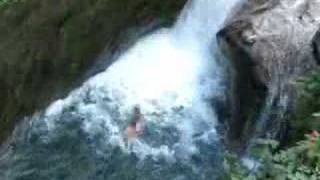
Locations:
170 74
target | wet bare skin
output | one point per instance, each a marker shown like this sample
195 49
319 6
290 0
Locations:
135 128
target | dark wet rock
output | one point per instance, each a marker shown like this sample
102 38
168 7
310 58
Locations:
46 46
316 47
270 46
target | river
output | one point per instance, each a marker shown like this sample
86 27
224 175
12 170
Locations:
172 75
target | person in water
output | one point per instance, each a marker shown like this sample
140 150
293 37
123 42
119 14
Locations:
136 126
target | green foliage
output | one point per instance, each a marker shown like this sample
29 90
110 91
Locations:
307 116
234 170
300 162
4 2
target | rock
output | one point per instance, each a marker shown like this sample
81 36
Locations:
46 46
316 46
270 45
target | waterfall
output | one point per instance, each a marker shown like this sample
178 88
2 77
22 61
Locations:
172 76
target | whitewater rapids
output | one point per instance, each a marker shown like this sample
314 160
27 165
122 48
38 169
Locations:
172 75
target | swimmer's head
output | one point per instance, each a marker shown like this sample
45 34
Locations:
137 110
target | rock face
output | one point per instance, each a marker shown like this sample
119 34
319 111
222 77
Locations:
46 45
316 46
270 45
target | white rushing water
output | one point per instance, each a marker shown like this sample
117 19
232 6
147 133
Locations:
171 75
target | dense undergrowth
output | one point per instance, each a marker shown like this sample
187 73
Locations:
300 160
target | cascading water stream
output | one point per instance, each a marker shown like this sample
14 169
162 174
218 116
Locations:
171 75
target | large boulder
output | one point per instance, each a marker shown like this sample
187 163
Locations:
270 45
316 46
46 45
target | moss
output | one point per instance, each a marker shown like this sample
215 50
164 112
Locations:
46 45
